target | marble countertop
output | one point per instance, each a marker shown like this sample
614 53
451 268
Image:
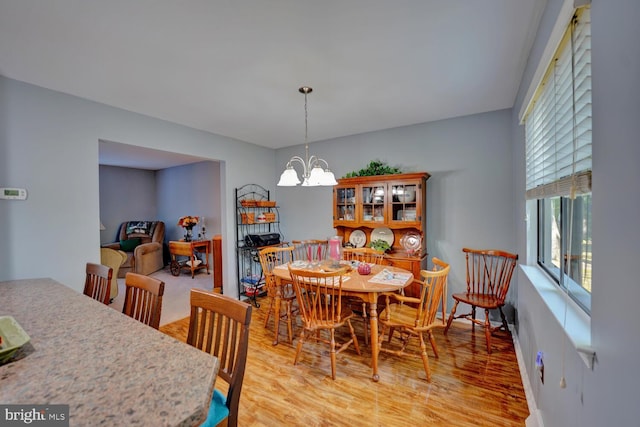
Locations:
109 368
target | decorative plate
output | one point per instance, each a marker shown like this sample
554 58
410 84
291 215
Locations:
383 233
13 337
411 242
358 238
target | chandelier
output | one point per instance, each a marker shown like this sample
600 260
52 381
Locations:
313 173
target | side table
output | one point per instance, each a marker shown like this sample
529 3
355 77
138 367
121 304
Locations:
188 249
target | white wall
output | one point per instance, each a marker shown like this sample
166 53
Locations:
126 194
192 189
49 145
469 195
606 395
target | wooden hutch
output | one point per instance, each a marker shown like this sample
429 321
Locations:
389 206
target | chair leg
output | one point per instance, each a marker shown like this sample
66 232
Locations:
504 320
354 337
299 347
364 321
266 318
289 322
425 358
433 344
381 330
473 318
333 353
487 329
451 315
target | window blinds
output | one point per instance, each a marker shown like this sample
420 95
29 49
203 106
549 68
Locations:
558 124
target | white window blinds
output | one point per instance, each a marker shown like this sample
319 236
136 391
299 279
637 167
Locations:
558 124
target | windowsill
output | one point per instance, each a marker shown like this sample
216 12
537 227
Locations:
578 323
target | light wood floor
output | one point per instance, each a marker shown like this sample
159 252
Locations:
468 386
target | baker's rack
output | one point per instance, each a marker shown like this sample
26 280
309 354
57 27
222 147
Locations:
256 213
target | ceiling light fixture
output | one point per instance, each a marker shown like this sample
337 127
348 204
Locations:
313 174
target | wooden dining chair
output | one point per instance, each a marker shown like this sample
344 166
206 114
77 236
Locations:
438 265
312 250
97 282
414 317
359 307
319 296
488 277
368 255
219 325
143 298
270 257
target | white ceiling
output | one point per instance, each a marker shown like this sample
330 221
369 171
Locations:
233 67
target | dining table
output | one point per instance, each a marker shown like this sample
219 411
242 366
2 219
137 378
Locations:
109 368
382 279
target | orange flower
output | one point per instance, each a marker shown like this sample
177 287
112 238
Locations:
188 221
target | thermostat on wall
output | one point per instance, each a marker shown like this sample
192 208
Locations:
13 193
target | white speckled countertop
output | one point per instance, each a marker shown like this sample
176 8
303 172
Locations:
112 370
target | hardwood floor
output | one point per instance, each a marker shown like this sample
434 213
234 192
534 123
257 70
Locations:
468 387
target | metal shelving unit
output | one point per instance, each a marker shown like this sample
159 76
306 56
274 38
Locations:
256 215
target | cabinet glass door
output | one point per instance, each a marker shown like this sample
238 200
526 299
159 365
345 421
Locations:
373 198
404 203
346 203
366 197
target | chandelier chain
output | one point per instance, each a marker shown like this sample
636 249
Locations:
305 118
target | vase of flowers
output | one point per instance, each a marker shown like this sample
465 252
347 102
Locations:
188 222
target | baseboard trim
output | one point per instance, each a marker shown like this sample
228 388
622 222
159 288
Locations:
535 418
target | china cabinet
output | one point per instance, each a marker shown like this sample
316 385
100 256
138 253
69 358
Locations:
257 226
387 207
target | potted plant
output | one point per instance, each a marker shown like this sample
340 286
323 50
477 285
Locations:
380 245
374 168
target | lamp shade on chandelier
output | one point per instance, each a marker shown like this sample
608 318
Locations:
315 171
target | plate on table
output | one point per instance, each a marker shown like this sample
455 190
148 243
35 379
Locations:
13 337
358 238
383 233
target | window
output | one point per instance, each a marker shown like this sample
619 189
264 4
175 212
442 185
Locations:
558 159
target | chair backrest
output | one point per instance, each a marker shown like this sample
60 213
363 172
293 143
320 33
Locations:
147 231
219 325
97 283
143 298
114 259
438 265
275 255
311 250
432 286
489 271
319 296
367 255
272 256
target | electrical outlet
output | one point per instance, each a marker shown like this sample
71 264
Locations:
540 365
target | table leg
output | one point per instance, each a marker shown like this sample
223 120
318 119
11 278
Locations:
193 263
373 326
206 260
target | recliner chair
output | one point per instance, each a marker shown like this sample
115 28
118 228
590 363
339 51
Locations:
142 241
